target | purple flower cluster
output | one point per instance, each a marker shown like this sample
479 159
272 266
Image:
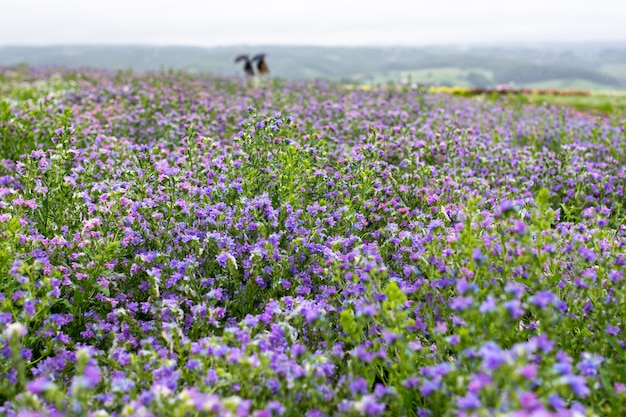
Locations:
193 245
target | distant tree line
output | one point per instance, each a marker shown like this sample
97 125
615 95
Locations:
362 64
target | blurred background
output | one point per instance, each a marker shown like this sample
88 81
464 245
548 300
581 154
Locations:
484 43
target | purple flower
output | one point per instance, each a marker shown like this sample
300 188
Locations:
589 364
93 375
223 258
363 354
514 307
454 340
564 364
542 298
507 206
557 402
29 413
39 385
359 386
276 407
543 343
478 382
243 408
612 330
193 364
298 350
488 305
273 385
460 303
519 227
529 400
578 384
410 382
528 371
493 356
478 257
368 405
428 387
588 254
468 402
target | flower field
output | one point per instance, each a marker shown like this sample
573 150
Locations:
176 245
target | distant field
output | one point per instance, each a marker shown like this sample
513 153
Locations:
450 76
609 103
476 77
567 84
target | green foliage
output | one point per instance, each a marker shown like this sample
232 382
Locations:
277 262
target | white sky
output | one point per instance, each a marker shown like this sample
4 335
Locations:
313 22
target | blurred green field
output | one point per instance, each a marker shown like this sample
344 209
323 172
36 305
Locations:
451 76
444 76
602 103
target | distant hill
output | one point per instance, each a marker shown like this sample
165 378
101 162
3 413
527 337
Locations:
590 66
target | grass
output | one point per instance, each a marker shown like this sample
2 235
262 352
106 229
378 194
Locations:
608 104
449 76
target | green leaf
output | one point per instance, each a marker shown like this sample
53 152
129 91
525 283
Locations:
542 198
13 225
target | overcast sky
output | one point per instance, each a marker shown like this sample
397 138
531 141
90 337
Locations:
312 22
